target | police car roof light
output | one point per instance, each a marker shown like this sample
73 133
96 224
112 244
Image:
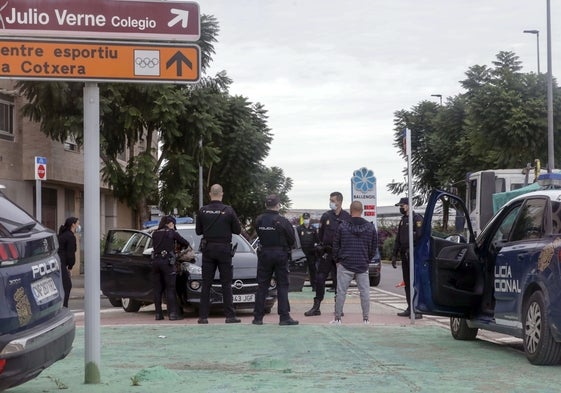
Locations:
550 180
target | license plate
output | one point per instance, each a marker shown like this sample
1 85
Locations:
247 298
44 290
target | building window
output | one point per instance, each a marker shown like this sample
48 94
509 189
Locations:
6 117
70 144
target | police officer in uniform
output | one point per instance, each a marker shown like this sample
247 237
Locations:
401 247
164 273
217 222
276 238
309 240
329 223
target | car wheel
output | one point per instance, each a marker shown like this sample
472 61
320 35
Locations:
374 281
460 329
539 345
131 305
115 301
268 310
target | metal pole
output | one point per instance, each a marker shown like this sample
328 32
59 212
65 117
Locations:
537 33
410 218
538 49
92 234
201 173
550 150
439 96
38 209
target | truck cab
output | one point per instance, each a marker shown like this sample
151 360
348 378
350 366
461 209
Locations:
481 186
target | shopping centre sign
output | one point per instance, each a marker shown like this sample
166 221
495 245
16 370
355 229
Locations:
101 19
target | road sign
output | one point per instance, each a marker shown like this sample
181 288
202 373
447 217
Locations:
101 61
40 168
101 19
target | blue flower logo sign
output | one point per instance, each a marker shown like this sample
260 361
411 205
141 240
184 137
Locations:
363 180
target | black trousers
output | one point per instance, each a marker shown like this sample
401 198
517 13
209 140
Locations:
311 259
272 261
164 278
406 276
66 285
325 266
217 256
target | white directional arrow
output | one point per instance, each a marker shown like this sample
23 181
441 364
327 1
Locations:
182 16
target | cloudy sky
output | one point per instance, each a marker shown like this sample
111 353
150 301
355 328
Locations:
332 73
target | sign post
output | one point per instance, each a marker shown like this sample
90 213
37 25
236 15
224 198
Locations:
40 175
169 60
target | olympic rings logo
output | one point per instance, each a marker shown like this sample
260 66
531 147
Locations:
146 62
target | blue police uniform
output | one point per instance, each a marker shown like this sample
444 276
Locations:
164 273
401 247
217 222
329 223
309 239
276 238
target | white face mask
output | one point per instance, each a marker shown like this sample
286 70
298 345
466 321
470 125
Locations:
332 205
78 229
306 222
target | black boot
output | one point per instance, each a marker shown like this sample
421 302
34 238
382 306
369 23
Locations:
314 310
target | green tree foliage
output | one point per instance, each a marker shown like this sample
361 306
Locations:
134 118
500 121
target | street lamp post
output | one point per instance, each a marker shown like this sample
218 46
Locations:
550 150
537 33
439 96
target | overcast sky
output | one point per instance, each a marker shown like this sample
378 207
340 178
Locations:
331 74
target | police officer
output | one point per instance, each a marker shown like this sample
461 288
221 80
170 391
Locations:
276 238
401 247
217 222
329 223
309 240
164 273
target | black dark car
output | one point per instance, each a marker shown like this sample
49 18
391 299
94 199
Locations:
126 265
35 330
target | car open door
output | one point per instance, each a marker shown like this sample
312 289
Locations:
126 263
448 273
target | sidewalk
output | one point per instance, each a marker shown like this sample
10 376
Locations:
300 302
389 355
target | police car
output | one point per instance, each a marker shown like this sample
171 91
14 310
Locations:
508 280
126 265
35 330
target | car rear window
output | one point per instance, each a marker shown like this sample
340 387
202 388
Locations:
194 239
13 220
22 239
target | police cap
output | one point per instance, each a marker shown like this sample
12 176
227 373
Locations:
306 215
403 201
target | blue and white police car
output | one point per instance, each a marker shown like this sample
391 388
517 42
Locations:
507 280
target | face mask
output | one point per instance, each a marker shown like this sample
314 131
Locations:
402 210
332 205
78 229
306 222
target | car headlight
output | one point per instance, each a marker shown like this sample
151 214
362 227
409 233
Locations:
273 284
191 268
195 285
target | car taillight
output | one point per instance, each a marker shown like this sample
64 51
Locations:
2 365
8 254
